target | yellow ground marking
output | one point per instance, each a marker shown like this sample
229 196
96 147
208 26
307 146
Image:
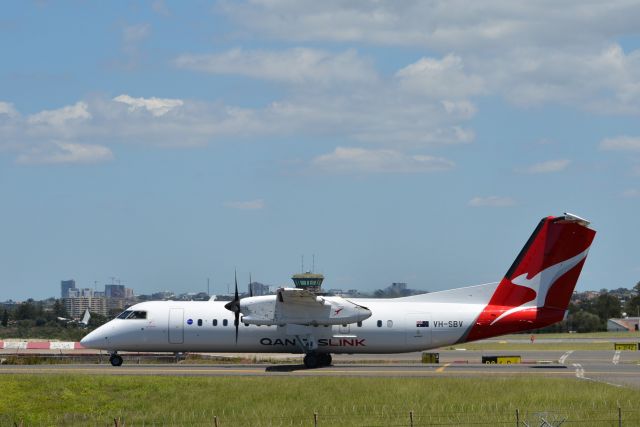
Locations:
442 368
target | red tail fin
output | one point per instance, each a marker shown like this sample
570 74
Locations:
536 290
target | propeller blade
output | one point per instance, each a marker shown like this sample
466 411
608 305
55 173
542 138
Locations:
236 299
236 322
235 296
234 306
250 287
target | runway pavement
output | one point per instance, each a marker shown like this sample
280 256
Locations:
621 368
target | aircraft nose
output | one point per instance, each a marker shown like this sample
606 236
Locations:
97 339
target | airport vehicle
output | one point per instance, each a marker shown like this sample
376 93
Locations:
534 293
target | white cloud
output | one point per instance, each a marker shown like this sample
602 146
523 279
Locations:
492 201
463 108
60 116
549 166
601 78
7 108
340 94
372 114
64 152
132 34
621 143
246 205
439 78
359 160
156 106
133 37
443 25
299 65
631 193
527 52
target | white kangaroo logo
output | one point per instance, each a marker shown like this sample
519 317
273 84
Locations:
542 282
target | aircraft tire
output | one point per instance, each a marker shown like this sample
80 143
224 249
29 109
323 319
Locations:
115 360
311 361
324 359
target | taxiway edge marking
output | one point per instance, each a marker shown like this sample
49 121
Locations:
442 368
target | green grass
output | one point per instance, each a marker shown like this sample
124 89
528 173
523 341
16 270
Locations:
86 400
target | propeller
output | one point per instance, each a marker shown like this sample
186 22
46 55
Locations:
250 287
235 307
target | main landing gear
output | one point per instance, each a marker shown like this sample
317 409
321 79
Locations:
115 359
316 360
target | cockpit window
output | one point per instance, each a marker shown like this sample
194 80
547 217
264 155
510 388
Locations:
138 315
130 314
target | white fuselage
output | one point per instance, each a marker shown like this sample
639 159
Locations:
395 326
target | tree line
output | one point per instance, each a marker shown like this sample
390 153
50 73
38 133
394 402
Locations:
45 319
592 314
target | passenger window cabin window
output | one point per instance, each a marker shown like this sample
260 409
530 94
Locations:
379 323
215 322
225 322
199 322
389 323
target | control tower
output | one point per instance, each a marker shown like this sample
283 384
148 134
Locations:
312 282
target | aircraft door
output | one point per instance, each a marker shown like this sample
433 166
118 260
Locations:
418 330
176 325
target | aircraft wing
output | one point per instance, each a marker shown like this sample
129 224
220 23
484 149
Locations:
294 296
300 307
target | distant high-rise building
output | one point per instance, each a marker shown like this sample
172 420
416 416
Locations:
65 285
258 289
114 291
116 303
77 305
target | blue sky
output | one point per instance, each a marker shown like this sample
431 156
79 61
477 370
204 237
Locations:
164 143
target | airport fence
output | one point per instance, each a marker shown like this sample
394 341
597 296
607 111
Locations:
380 418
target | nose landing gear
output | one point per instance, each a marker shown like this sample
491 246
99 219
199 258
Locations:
115 359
